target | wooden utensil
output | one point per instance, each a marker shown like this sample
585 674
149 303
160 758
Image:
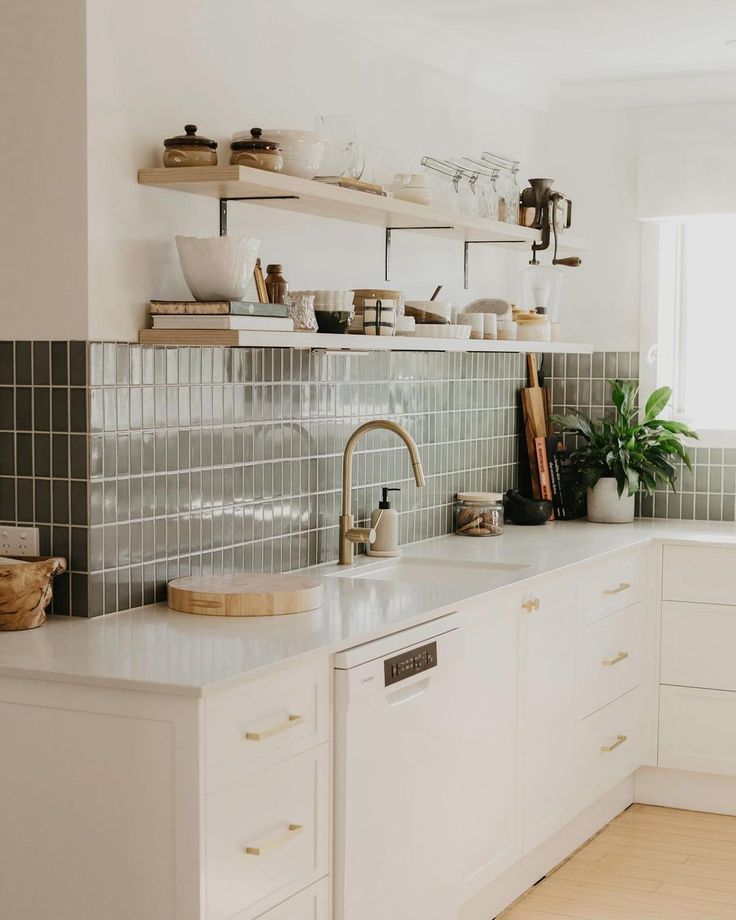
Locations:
533 402
436 292
249 594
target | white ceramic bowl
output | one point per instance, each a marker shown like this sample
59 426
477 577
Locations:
218 267
301 151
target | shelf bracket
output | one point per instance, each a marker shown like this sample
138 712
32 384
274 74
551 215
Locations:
469 243
224 203
387 251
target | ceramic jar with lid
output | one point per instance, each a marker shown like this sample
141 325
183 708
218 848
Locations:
190 149
257 152
479 514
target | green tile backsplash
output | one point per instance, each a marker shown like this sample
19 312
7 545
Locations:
140 464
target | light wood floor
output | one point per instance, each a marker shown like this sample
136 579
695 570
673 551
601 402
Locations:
648 864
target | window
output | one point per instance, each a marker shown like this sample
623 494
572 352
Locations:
695 331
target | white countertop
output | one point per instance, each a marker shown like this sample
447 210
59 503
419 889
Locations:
155 648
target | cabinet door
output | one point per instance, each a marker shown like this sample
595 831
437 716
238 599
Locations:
548 708
490 833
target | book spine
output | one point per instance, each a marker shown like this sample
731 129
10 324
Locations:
543 467
556 480
553 461
216 308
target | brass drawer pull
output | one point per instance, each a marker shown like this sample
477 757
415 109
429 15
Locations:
292 831
620 739
624 586
610 662
532 605
290 722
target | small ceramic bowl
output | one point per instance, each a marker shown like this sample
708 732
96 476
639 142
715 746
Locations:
335 322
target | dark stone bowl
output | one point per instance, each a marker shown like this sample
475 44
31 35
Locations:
527 511
333 321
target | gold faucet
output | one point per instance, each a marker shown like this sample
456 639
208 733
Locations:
348 533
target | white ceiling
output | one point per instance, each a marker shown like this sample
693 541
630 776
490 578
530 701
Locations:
562 42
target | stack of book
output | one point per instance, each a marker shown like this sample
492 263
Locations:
557 478
212 322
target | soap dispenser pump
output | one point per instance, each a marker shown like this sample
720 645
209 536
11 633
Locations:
385 521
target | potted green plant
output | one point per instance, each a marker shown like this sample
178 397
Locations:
621 454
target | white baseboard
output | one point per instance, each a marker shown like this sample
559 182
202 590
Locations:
690 791
497 896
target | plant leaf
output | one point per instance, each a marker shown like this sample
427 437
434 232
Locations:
656 403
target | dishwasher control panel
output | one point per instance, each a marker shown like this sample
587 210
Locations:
409 663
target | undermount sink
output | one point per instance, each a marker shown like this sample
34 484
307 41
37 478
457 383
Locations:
433 571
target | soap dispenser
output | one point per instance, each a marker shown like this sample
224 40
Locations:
385 521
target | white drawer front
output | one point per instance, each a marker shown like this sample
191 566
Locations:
701 574
279 714
698 642
609 745
267 836
609 586
609 659
697 730
312 904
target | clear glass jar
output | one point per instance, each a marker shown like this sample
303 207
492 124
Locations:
479 514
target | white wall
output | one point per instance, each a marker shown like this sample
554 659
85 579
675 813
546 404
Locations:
595 155
43 231
228 65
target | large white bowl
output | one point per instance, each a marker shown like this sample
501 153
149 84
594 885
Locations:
218 267
302 151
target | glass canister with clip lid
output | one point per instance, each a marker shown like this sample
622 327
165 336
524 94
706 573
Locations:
479 514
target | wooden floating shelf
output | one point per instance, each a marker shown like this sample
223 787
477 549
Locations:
347 343
290 193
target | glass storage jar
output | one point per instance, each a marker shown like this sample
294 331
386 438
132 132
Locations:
479 514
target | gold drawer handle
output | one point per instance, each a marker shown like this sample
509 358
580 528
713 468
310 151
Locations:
290 722
624 586
610 662
620 739
292 831
532 605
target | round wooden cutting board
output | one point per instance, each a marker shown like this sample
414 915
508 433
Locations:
244 595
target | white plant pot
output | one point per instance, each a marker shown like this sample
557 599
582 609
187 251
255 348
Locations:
606 507
218 268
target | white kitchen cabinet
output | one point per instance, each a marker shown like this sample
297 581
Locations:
698 643
246 730
311 904
489 835
609 659
267 835
548 716
609 746
107 788
699 574
697 730
610 585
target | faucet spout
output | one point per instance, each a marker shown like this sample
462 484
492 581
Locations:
348 533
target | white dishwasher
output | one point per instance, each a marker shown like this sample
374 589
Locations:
398 751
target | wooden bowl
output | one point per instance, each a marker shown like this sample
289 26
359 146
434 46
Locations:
25 590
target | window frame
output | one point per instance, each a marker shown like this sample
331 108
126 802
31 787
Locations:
663 331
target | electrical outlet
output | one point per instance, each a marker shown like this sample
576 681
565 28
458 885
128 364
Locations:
18 541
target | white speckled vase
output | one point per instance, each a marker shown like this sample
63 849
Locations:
605 506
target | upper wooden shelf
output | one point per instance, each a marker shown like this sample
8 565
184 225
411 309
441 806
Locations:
291 193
